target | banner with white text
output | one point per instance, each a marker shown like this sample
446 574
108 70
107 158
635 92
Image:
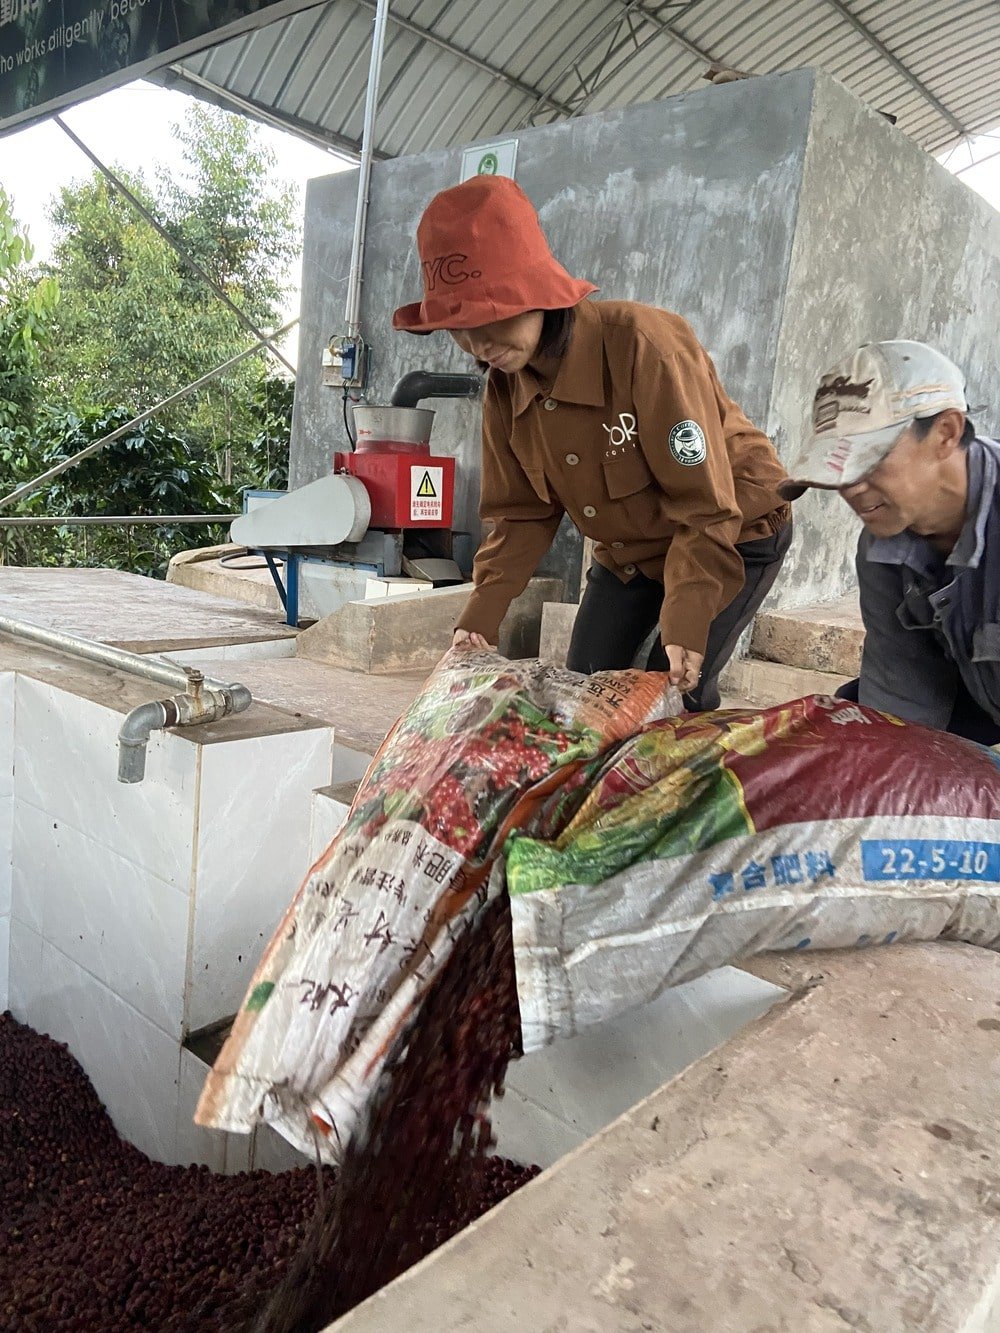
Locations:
57 52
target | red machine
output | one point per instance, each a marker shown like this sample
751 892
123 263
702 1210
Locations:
386 509
409 487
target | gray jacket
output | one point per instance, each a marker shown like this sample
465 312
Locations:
932 620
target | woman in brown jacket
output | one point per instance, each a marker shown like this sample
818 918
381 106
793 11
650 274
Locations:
610 412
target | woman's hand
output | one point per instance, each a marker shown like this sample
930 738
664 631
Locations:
685 666
464 638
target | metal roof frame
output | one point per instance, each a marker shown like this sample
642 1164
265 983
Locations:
459 71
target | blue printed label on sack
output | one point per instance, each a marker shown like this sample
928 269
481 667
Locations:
918 858
781 872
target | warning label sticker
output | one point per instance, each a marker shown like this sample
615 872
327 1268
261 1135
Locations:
426 494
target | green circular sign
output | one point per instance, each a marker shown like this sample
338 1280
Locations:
489 165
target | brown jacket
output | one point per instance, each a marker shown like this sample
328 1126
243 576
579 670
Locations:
639 444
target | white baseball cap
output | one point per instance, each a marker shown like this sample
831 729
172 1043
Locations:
864 404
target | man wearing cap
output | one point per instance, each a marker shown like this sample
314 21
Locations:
892 435
610 412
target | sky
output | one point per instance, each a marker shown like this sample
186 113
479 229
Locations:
131 127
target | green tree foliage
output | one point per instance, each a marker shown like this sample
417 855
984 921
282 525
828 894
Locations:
26 308
135 323
271 407
26 312
229 214
149 470
120 322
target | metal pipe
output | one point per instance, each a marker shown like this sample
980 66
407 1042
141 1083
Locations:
203 703
353 308
419 384
119 659
29 487
116 520
133 737
203 699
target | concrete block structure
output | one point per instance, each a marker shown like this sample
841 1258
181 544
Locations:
783 217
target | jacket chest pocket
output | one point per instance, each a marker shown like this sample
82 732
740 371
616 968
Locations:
626 475
538 482
531 466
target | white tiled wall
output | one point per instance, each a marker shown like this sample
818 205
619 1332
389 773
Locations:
6 786
201 1147
4 962
328 816
6 849
349 765
252 853
133 1065
121 923
6 824
562 1095
138 912
25 977
66 764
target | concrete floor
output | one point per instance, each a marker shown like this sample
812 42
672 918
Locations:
834 1166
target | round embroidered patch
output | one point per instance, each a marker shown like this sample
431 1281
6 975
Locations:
687 443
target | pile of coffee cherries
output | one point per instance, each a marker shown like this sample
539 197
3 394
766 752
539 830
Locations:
96 1238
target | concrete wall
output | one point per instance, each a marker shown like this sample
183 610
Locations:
688 203
784 218
888 244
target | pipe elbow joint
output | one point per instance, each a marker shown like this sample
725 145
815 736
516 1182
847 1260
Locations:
133 737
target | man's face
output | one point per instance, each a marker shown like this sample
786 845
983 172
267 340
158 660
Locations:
507 345
903 491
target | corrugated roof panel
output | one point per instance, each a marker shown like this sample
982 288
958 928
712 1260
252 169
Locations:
468 69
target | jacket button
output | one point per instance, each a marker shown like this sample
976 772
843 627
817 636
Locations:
628 569
550 404
617 546
572 459
589 511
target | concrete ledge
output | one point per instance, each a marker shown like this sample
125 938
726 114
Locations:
828 637
834 1166
765 683
558 619
803 652
410 632
201 570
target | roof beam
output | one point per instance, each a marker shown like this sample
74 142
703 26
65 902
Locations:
898 66
459 52
341 144
668 30
860 27
620 20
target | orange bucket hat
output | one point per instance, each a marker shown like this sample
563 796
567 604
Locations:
484 257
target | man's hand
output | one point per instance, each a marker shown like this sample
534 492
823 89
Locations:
685 666
466 639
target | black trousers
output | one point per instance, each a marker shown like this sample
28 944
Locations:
616 618
967 718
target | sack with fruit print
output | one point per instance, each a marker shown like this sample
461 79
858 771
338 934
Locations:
702 840
485 745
